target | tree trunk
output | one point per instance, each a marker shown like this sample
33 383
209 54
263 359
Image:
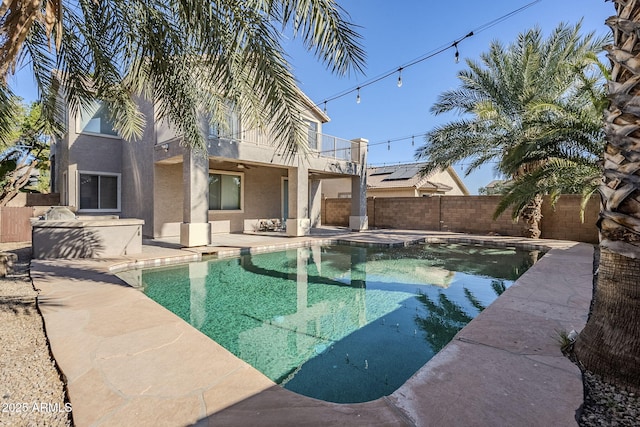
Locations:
16 179
609 345
531 216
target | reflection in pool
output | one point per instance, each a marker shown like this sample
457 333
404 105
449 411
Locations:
338 323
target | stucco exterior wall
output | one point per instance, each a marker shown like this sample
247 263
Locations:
137 175
445 177
89 153
152 182
331 188
262 198
167 199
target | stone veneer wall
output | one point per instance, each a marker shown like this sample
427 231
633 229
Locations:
469 214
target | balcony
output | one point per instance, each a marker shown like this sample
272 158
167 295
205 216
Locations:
322 145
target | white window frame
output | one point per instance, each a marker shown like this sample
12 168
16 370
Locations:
81 131
119 190
316 135
233 173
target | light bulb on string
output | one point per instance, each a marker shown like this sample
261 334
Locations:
358 97
457 54
400 77
413 142
388 145
325 106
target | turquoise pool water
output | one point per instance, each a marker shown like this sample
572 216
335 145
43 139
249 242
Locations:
338 323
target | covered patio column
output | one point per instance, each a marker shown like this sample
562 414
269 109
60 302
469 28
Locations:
298 223
315 202
195 229
358 220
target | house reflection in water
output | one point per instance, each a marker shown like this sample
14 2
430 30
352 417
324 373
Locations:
338 323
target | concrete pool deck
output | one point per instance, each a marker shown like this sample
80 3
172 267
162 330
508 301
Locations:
129 361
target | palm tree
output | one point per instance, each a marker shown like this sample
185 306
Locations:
189 56
565 141
609 345
501 94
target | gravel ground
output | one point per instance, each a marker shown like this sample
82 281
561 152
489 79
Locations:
606 405
33 393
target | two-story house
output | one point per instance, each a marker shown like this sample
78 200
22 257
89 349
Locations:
179 192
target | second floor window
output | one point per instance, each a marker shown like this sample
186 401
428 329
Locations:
95 119
313 135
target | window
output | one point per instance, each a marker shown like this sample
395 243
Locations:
225 191
95 119
313 135
99 192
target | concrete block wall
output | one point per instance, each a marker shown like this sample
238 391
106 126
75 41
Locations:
415 213
469 214
474 214
563 220
336 211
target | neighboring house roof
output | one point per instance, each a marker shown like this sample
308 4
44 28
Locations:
496 183
409 176
497 186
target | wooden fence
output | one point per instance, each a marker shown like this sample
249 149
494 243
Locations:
15 224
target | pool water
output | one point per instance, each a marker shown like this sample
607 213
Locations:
338 323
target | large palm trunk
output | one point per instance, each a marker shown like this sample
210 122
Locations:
609 345
531 216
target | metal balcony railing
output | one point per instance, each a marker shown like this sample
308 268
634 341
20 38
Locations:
335 148
326 146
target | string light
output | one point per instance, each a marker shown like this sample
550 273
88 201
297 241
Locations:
429 55
413 141
387 142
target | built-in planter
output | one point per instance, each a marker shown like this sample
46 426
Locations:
86 238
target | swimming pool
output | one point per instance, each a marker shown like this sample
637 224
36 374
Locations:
338 323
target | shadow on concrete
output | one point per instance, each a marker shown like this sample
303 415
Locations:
65 243
275 404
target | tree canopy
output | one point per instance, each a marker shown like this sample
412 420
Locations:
25 151
190 57
522 106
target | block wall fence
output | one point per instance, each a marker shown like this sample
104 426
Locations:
469 214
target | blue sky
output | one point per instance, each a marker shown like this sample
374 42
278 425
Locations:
396 33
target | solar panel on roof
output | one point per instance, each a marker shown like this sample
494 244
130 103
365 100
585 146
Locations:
384 170
403 172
